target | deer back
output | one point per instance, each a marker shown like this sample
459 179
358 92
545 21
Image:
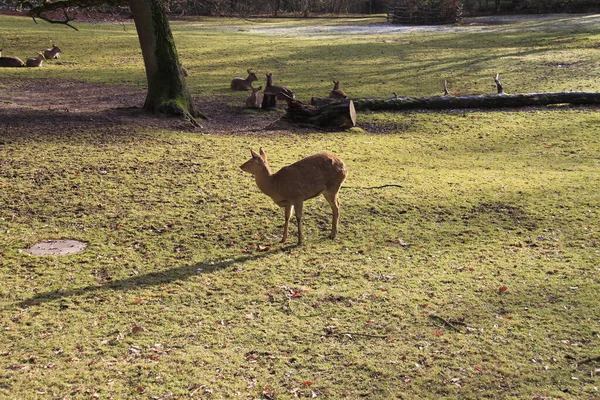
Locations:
11 62
337 92
35 62
310 176
280 92
255 99
244 84
53 52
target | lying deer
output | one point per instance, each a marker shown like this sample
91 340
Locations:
337 92
292 185
280 92
52 53
255 99
35 62
244 84
10 61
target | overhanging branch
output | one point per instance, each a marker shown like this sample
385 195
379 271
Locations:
41 10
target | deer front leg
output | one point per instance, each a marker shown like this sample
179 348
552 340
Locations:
334 202
298 208
288 214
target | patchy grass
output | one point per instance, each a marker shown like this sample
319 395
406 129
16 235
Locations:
477 278
546 55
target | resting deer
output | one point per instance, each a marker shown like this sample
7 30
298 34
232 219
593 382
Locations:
337 92
52 53
280 92
10 61
244 84
255 99
35 62
292 185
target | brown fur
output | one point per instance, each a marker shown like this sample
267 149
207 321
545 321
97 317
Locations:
53 52
337 92
255 99
280 92
244 84
292 185
35 62
10 61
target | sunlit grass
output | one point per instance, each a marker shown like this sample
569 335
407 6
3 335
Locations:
491 224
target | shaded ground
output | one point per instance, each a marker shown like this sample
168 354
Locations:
75 105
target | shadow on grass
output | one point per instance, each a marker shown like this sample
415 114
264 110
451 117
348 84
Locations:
150 279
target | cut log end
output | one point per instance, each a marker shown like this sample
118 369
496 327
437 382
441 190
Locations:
337 114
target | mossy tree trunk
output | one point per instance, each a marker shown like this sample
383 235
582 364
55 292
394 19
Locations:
167 89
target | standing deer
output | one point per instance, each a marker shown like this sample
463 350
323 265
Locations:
35 62
10 61
244 84
292 185
337 92
53 52
255 99
280 92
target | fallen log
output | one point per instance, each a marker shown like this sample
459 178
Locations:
334 115
447 102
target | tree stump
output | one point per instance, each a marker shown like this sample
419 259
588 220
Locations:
339 114
269 101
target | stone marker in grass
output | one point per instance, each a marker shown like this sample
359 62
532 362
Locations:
57 248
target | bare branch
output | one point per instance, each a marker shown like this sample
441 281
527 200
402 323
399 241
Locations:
41 10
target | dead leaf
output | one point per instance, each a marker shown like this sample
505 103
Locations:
138 329
503 289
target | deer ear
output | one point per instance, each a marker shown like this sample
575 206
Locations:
263 154
254 154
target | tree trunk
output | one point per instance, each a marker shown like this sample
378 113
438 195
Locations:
337 115
167 89
473 101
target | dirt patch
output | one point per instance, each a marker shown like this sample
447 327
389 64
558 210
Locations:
77 105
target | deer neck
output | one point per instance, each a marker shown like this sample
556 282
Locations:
264 181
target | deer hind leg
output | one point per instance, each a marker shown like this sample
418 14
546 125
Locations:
298 208
334 202
288 214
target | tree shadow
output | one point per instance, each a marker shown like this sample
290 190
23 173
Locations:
151 279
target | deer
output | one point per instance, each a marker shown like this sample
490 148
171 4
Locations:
244 84
35 62
10 61
289 187
255 99
52 53
280 92
337 92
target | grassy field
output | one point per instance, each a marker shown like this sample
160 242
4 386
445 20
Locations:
477 276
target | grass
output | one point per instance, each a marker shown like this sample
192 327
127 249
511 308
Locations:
185 290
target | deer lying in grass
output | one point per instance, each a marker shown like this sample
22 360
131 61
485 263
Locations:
255 99
292 185
337 92
244 84
280 92
10 61
35 62
52 53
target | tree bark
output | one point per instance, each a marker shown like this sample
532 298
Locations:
473 101
167 89
336 115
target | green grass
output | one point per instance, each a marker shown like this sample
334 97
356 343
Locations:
184 288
